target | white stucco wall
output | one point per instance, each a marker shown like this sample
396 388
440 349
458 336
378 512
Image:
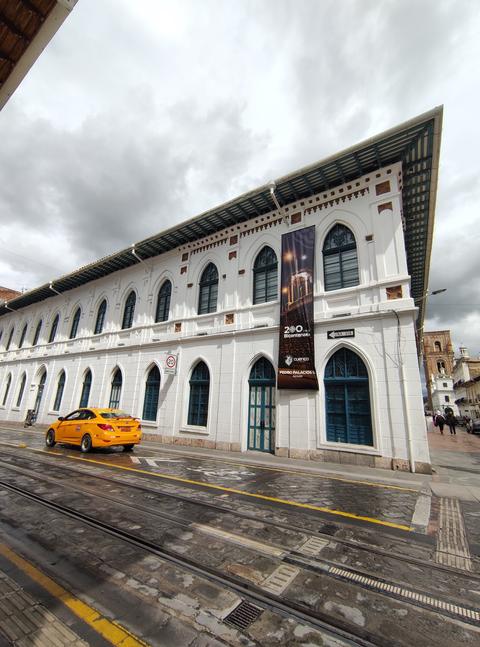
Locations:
384 339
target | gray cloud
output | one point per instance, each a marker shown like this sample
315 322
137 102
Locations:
139 115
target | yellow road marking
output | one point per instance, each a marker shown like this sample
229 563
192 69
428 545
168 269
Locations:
254 495
285 471
328 477
112 631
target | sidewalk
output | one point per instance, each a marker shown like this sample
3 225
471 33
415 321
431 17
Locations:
26 622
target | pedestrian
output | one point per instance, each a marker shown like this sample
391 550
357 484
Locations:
439 421
450 420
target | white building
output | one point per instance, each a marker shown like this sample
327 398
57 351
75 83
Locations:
443 394
206 293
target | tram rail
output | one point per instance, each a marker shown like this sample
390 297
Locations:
290 556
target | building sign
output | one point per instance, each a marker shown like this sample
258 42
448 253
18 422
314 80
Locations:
296 356
338 334
171 364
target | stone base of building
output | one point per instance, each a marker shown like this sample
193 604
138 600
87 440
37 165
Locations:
320 455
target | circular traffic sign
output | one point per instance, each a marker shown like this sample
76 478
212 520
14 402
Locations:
171 361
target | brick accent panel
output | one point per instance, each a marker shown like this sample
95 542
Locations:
383 187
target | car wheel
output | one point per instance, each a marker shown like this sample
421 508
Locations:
86 445
127 448
50 438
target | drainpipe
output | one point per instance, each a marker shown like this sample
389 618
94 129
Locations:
134 252
53 289
272 187
406 411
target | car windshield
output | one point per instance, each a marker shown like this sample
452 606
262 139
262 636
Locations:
114 414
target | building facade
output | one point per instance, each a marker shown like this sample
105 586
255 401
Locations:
466 377
438 360
188 339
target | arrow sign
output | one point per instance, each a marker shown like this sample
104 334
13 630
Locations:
336 334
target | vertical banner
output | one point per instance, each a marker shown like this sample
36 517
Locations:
296 355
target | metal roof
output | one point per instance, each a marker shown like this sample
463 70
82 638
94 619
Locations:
415 143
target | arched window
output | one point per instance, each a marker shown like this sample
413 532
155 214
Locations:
75 322
340 264
261 408
21 389
129 310
207 299
265 276
163 303
199 390
100 321
347 399
53 329
116 390
59 394
37 333
7 389
40 389
22 336
10 337
441 367
438 347
86 386
152 390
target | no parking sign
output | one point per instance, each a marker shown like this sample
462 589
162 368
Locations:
171 364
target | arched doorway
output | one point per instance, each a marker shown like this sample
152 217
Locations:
261 406
347 399
40 389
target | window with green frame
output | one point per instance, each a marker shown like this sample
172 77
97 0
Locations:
23 335
340 263
10 337
152 391
86 386
163 302
53 329
59 394
207 298
21 389
7 389
265 276
116 391
199 392
129 310
37 333
100 321
75 322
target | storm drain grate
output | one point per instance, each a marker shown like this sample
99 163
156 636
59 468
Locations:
243 615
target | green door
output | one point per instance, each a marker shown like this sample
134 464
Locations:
261 407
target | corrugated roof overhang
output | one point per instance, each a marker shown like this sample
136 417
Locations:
416 144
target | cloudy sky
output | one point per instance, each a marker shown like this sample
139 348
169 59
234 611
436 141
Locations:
141 114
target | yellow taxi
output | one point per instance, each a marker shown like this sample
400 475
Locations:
92 427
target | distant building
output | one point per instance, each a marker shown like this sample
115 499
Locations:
438 360
466 383
6 294
443 394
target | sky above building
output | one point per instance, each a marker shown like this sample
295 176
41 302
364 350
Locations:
141 114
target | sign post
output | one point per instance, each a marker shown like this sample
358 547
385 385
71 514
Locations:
171 364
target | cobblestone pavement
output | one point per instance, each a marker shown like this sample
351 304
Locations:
191 503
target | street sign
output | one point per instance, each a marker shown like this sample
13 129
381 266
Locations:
171 364
337 334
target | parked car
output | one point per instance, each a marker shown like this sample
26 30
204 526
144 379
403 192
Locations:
459 421
474 426
91 427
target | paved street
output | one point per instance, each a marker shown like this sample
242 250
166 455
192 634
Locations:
161 545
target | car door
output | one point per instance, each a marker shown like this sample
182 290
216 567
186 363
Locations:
82 426
66 429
